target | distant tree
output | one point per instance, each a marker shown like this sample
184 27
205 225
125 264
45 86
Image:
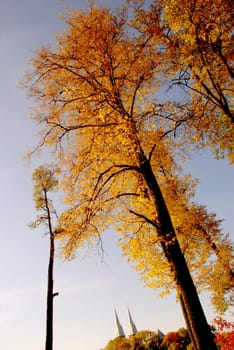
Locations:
143 340
119 343
44 182
184 337
148 339
224 334
176 340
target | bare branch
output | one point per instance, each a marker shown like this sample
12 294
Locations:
151 222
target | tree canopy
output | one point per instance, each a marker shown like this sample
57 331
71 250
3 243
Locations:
198 40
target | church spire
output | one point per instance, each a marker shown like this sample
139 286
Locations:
133 329
119 331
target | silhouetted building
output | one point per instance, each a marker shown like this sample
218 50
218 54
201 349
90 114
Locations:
119 331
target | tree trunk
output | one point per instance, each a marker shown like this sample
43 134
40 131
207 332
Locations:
50 289
201 332
186 318
49 313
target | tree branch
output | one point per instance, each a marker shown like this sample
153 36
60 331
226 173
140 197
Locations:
149 221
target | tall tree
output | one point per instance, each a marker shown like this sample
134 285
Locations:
45 182
94 96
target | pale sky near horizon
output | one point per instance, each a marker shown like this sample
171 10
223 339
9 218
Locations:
89 289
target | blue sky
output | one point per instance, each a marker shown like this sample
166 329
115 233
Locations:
89 289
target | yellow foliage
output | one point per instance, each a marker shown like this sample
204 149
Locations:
198 41
96 104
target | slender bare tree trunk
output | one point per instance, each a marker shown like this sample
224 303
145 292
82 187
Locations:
50 289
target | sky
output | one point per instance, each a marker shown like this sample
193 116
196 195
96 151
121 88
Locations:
89 288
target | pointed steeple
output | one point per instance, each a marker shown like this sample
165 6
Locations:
160 334
119 331
133 329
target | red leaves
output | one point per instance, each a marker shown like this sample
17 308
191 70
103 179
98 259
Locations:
225 334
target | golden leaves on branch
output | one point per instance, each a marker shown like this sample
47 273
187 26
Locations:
98 103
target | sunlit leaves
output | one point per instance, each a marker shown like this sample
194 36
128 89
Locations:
197 41
97 105
208 251
45 181
203 31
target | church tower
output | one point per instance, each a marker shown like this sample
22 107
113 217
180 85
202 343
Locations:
132 326
119 331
